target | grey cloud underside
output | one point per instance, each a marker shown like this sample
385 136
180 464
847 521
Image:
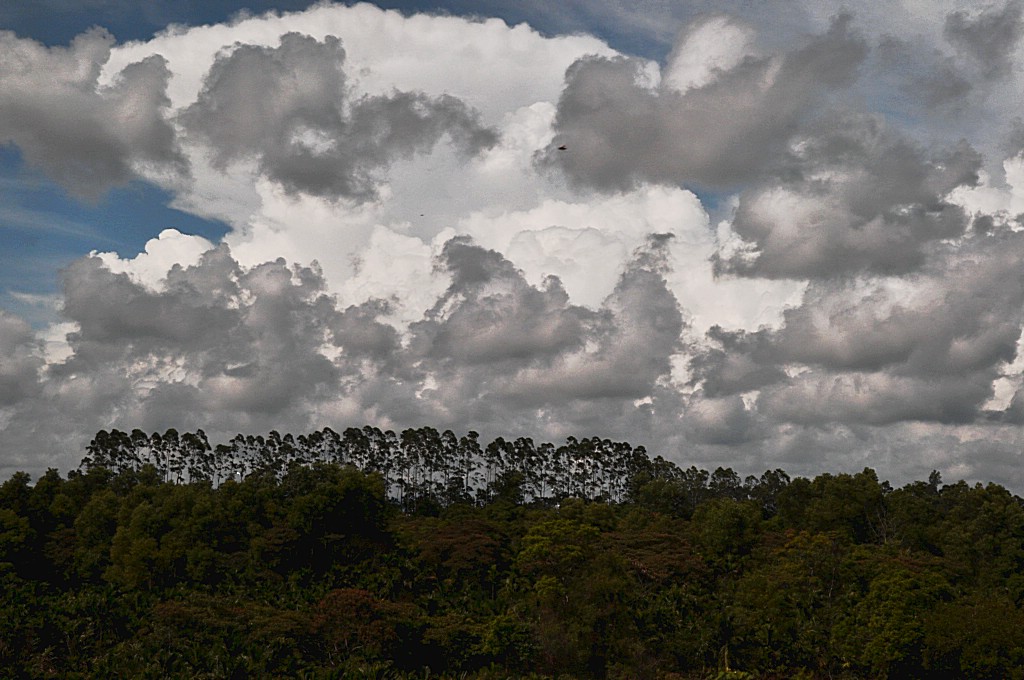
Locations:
733 362
250 339
230 348
929 79
924 78
87 137
491 314
289 108
1014 142
722 421
825 190
513 343
925 348
988 37
19 361
855 196
618 132
968 320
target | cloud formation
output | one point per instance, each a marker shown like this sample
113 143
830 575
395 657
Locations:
229 347
87 137
620 129
988 37
20 364
776 242
288 108
854 196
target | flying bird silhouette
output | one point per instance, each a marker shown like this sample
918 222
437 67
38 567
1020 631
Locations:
562 147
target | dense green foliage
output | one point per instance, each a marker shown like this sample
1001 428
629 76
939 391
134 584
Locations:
396 558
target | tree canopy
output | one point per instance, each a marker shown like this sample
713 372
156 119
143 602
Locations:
372 553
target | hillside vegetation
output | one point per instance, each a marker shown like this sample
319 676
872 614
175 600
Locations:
371 554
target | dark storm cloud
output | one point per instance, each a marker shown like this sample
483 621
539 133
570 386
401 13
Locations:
854 196
289 108
619 132
87 137
988 37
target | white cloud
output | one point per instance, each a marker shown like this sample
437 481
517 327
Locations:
150 267
1005 203
494 67
399 269
705 49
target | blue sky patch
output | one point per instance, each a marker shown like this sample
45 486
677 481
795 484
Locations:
43 229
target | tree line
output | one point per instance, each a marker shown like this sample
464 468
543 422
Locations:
362 555
420 465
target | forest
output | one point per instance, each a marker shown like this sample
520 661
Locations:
424 554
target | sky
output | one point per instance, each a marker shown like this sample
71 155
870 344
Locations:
782 234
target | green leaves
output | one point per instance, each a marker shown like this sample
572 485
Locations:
305 568
883 633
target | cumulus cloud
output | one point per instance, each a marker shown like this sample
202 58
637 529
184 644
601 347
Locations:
960 316
620 130
707 48
924 75
988 37
287 108
950 76
491 314
225 347
216 336
161 254
86 136
630 347
881 351
846 295
725 421
20 362
856 196
875 399
734 362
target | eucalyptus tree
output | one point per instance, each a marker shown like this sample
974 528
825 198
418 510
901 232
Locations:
355 448
143 449
546 469
470 460
196 451
170 446
112 450
449 462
